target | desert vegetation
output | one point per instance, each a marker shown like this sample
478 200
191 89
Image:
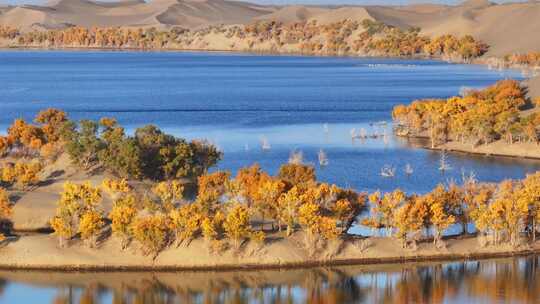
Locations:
386 40
5 213
100 145
229 213
500 212
346 37
225 212
479 117
148 177
531 59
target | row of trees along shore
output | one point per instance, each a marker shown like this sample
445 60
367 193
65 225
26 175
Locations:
530 59
343 37
229 212
477 117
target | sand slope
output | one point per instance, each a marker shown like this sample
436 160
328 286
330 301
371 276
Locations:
533 85
42 252
294 13
507 28
206 12
186 13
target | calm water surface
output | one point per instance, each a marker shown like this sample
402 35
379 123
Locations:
237 100
489 281
295 103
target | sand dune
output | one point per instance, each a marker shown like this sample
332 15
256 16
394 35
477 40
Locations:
24 17
507 28
294 13
533 85
339 14
200 13
187 13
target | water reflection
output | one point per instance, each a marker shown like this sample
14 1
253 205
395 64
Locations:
512 280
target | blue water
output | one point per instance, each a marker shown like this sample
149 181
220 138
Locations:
236 100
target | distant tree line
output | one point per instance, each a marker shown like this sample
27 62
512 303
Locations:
344 37
531 59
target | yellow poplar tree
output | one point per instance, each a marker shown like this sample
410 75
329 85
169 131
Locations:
439 215
508 211
185 221
476 199
115 187
4 146
236 224
169 193
8 174
90 226
5 210
309 219
382 212
27 173
289 203
152 233
410 218
211 229
122 215
269 193
75 200
530 195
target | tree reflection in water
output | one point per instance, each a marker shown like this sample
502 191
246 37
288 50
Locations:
510 280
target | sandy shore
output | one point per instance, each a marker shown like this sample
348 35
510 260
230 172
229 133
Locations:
40 252
498 148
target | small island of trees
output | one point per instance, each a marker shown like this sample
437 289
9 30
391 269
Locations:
480 117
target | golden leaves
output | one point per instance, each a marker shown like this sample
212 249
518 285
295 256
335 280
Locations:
186 222
5 145
237 225
5 204
152 233
487 114
90 226
77 201
169 192
122 215
23 174
115 186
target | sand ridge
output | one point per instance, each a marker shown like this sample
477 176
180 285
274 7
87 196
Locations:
506 28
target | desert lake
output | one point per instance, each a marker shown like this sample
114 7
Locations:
240 101
259 108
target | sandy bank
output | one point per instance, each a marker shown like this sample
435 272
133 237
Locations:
533 84
40 252
495 149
